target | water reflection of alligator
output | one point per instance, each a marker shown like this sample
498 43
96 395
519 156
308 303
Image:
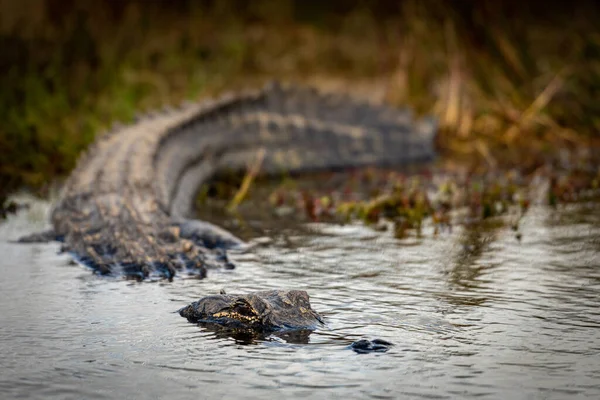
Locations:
288 314
124 209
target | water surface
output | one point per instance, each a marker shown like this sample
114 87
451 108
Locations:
472 313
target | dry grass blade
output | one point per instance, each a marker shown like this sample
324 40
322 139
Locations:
536 107
253 171
452 114
484 150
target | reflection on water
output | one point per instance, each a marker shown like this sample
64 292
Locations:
249 336
472 313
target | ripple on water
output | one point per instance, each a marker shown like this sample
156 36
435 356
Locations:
474 313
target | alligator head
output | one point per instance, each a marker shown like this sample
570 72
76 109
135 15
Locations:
268 311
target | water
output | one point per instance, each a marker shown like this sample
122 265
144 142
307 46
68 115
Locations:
472 313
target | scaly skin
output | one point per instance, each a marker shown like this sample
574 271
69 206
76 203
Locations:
124 208
267 311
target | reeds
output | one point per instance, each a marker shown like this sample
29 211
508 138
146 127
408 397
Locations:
509 87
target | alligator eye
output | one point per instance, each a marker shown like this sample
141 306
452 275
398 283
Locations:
242 307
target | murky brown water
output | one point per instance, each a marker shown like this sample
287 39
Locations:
475 313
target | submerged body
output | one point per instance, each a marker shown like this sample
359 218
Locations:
125 208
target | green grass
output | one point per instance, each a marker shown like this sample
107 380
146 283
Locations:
503 87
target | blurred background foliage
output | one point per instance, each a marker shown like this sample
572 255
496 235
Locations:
507 79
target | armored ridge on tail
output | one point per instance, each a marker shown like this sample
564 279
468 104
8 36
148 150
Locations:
125 207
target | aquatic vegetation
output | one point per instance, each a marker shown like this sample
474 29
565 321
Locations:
440 198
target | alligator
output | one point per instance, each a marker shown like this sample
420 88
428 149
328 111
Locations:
126 207
246 317
264 312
